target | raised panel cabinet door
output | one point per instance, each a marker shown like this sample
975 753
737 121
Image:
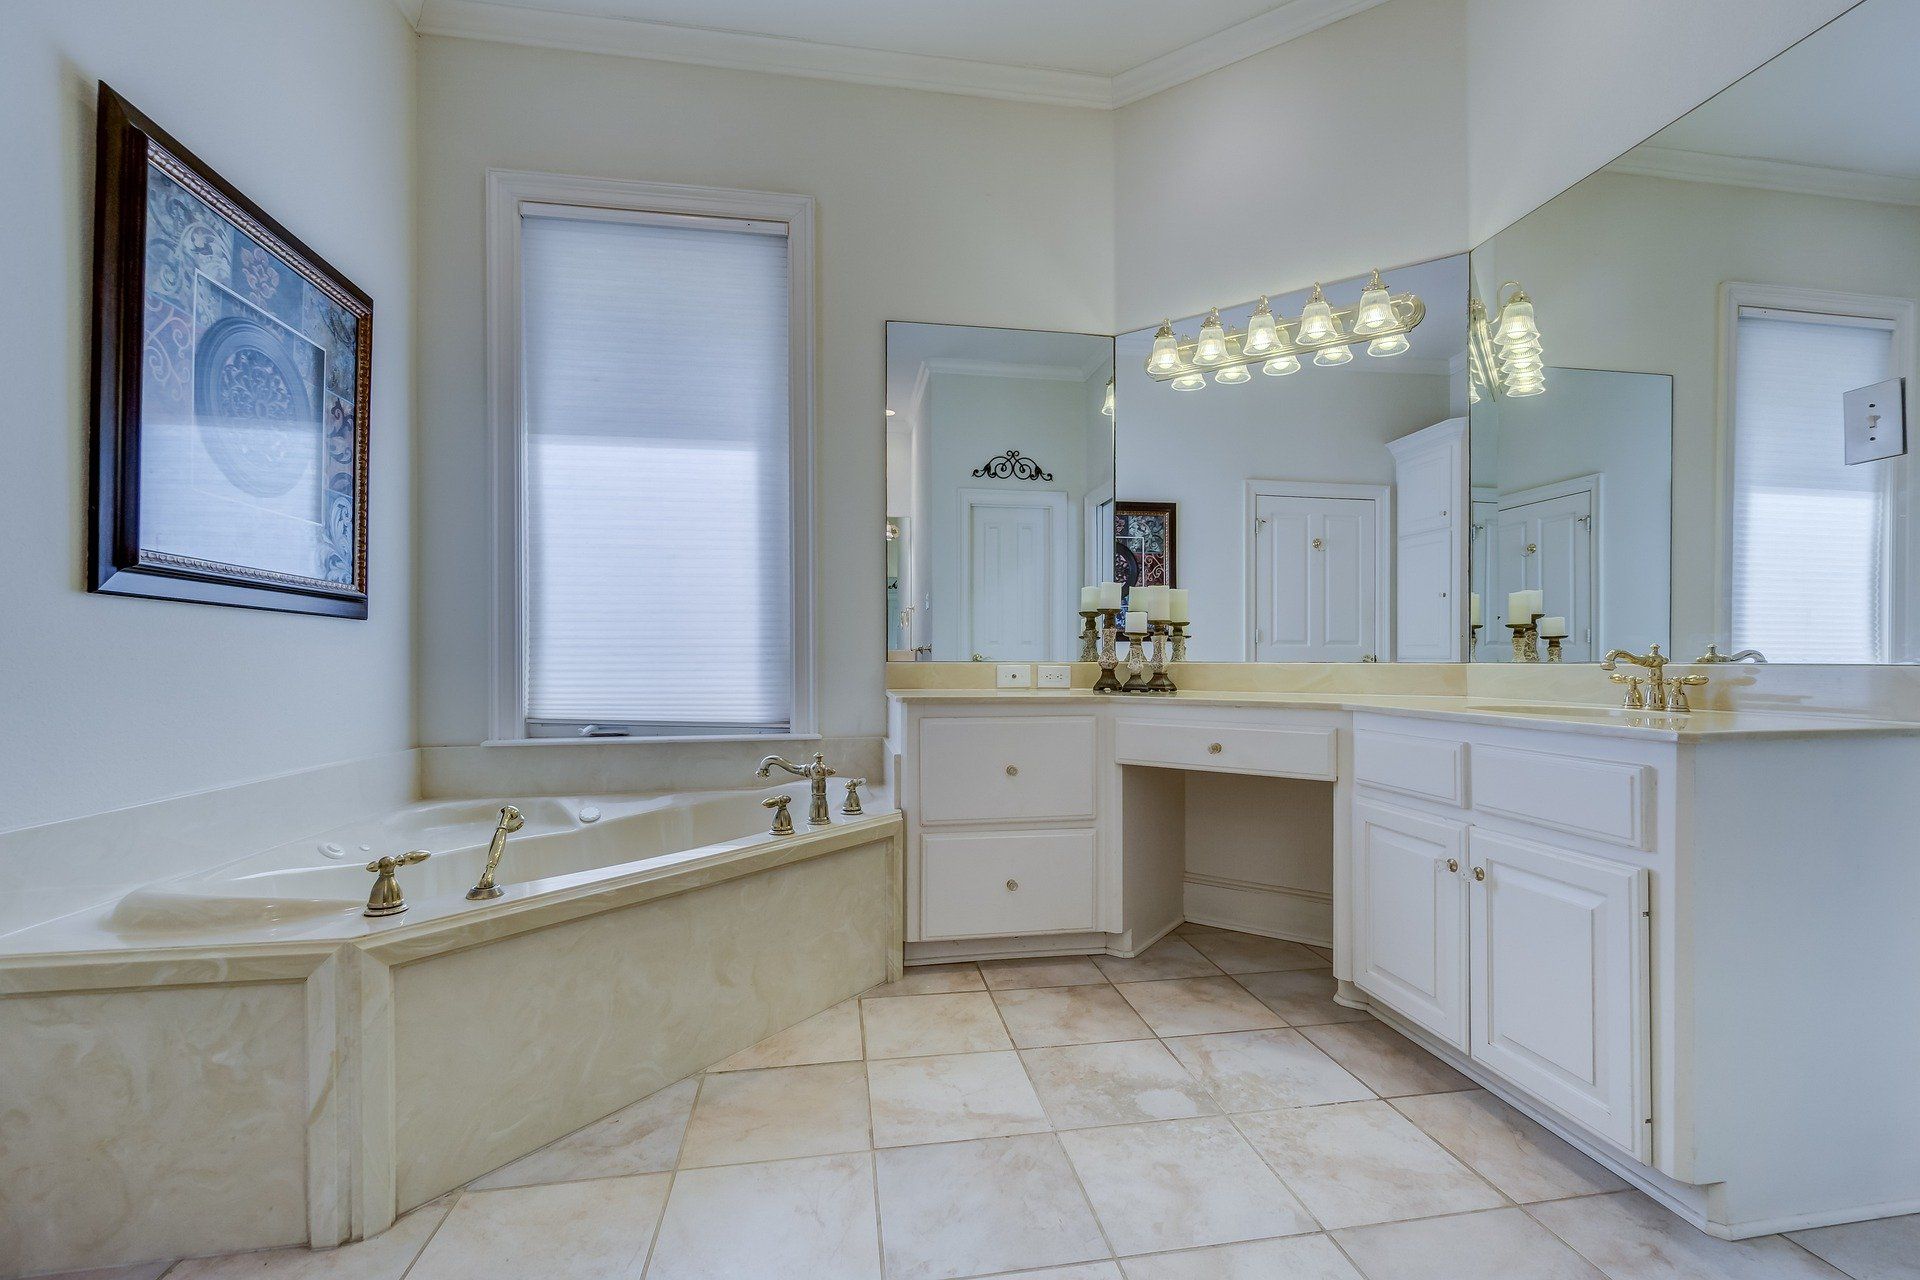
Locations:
1423 489
1010 555
1410 916
1425 612
1560 996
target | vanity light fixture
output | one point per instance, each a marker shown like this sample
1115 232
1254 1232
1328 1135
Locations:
1277 345
1505 356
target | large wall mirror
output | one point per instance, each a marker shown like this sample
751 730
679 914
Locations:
1308 487
1733 300
999 490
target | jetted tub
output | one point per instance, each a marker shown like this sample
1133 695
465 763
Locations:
323 1071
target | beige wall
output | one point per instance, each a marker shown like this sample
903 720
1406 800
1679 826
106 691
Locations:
308 109
931 207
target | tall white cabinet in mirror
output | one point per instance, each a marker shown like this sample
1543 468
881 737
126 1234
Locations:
1430 542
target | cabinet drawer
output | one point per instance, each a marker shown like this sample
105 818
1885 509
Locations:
1606 799
1001 768
991 883
1431 768
1287 753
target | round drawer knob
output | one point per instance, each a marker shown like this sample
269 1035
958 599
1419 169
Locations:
1479 873
1012 885
1213 748
1453 865
1013 771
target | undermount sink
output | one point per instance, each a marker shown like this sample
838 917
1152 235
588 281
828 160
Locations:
1559 710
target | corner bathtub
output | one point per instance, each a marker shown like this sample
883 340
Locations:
323 1071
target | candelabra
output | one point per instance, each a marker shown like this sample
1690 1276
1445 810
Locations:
1089 636
1109 652
1160 682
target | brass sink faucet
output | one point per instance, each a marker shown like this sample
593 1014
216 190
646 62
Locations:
1663 693
816 772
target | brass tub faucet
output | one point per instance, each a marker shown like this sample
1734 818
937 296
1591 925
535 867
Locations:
816 773
510 822
386 898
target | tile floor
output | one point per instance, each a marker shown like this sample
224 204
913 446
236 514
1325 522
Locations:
1203 1111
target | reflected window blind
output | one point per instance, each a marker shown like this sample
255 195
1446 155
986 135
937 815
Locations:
658 488
1810 534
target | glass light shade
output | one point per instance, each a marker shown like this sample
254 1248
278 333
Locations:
1166 350
1516 320
1519 389
1316 320
1520 368
1262 336
1333 355
1233 374
1391 345
1188 382
1376 308
1106 406
1473 392
1212 346
1281 366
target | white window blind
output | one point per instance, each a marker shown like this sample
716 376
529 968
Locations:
658 564
1810 534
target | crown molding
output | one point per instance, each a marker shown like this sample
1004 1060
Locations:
508 23
1650 161
1243 40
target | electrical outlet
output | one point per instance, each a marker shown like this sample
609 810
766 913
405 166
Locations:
1015 675
1055 675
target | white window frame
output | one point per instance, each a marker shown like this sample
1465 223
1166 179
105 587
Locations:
1816 304
508 193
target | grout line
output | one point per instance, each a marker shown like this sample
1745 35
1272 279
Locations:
432 1235
659 1224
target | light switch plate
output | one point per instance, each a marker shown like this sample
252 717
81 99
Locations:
1055 675
1876 421
1015 675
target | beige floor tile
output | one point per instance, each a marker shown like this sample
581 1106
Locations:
778 1114
1629 1237
1504 1243
642 1138
1180 1184
931 980
1302 997
829 1036
1128 1082
150 1271
573 1231
1186 928
1386 1061
1170 957
1266 1070
1245 953
915 1026
1046 1016
951 1097
1048 971
1197 1006
811 1218
1085 1271
1506 1148
1295 1258
977 1208
1325 953
1887 1249
1358 1163
382 1257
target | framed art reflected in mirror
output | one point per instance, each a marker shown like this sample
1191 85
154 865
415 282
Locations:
232 376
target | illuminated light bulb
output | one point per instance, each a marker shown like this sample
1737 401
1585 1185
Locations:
1262 335
1521 367
1333 355
1189 382
1281 366
889 413
1106 406
1516 319
1391 345
1166 350
1376 308
1212 346
1316 320
1232 375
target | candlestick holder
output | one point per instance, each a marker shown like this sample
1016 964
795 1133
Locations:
1160 682
1526 641
1553 648
1136 665
1179 642
1473 640
1109 653
1089 636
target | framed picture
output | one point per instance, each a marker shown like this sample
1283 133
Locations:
1143 534
231 375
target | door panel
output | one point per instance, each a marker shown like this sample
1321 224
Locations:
1560 994
1315 566
1410 916
1548 545
1425 617
1010 556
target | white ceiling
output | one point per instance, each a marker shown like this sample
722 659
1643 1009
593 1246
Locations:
1036 353
1095 53
1836 103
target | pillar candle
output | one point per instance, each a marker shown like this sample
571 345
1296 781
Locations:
1177 606
1156 604
1137 623
1089 599
1553 628
1109 595
1522 605
1473 608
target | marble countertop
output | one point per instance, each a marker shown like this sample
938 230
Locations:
1564 717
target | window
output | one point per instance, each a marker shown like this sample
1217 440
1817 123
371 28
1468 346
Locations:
1812 537
653 344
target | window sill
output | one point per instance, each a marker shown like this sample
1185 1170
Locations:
678 739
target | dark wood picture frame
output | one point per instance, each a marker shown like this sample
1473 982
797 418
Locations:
1167 513
129 144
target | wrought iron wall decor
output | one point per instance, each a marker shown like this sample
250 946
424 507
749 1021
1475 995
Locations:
1012 465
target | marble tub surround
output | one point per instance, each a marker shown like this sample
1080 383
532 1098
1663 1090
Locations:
1107 1160
624 766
